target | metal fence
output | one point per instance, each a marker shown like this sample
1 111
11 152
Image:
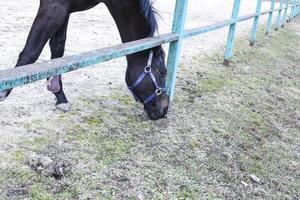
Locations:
287 10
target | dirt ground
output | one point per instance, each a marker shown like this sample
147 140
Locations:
232 133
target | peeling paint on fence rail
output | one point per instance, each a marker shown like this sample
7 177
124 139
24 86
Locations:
34 72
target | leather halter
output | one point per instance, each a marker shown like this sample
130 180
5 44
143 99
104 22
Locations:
147 71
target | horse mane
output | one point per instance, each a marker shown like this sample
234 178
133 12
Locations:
149 13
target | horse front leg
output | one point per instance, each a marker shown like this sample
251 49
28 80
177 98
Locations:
48 20
55 85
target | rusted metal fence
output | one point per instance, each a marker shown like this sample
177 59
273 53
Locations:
287 10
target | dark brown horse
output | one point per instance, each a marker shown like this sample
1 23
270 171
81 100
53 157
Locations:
135 19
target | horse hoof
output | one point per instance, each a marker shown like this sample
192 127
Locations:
65 107
3 95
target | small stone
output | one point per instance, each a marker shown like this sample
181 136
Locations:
280 99
268 89
140 197
33 160
39 168
46 161
245 184
256 179
225 157
296 168
60 142
59 170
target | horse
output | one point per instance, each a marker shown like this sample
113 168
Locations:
135 19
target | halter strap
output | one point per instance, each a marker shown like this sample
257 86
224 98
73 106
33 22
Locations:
147 71
150 59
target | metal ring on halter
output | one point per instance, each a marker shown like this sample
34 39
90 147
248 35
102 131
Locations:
147 69
158 91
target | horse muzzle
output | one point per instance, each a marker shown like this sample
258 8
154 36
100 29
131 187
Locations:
158 110
157 114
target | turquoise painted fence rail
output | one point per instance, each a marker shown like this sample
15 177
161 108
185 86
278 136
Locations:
27 74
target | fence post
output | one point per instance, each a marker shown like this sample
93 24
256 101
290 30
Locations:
279 16
232 32
175 47
296 8
289 15
292 10
285 13
270 18
255 23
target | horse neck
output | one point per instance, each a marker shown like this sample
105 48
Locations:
131 23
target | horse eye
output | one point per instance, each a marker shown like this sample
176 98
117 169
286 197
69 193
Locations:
163 70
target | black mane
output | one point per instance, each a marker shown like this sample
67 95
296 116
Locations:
149 13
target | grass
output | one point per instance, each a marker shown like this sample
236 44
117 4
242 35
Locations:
38 192
225 125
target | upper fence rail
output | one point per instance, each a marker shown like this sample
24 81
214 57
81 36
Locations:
27 74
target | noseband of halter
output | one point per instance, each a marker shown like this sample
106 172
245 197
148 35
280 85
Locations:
147 71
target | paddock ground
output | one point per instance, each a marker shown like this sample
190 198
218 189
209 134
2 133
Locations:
232 133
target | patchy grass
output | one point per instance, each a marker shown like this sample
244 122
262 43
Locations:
225 125
38 192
